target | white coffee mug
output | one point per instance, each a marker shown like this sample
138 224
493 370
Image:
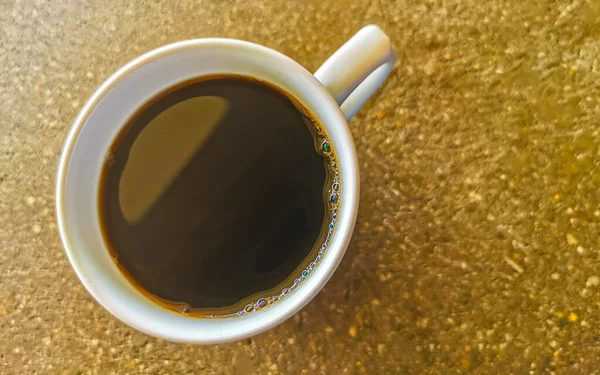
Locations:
333 95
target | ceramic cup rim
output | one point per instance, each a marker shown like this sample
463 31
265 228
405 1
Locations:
340 137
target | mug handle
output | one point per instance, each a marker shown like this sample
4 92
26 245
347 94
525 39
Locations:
355 71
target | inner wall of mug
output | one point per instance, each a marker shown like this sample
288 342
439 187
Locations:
99 123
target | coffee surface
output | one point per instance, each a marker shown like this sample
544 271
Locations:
215 194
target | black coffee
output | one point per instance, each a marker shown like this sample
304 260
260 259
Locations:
219 196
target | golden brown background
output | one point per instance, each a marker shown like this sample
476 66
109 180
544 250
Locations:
476 248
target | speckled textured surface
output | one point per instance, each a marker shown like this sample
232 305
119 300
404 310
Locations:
476 248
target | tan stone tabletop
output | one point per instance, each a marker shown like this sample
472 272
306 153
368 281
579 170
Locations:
477 247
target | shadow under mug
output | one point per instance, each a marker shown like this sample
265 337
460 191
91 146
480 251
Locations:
333 95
